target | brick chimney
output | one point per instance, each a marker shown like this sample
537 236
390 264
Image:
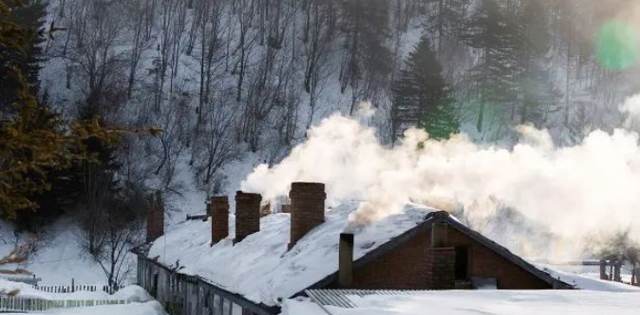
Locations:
440 259
155 218
345 260
307 209
219 211
247 215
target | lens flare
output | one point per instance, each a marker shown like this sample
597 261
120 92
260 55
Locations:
617 45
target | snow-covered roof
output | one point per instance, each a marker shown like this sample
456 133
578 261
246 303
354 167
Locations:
586 281
471 302
260 268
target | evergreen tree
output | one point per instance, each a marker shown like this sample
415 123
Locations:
493 77
366 59
421 95
445 20
34 140
30 16
538 95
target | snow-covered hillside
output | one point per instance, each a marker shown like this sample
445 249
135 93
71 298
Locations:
236 84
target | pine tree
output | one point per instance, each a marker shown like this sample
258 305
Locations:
30 16
493 78
421 95
33 139
538 95
366 59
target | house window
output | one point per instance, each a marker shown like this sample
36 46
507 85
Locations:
462 263
217 305
236 309
226 308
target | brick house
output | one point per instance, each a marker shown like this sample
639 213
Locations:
198 269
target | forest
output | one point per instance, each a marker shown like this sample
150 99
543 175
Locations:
149 97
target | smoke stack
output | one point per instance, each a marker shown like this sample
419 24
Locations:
439 233
307 209
219 211
345 260
155 218
440 259
247 215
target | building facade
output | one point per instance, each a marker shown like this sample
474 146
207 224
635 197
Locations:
433 252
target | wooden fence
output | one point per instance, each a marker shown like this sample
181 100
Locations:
74 288
19 304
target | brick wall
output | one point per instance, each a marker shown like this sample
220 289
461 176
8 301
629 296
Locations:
405 266
155 223
440 268
307 209
247 214
219 207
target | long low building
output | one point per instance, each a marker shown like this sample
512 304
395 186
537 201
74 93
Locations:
249 263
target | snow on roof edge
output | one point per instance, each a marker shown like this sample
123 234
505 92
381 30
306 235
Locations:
260 267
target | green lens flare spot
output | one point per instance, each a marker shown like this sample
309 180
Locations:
617 45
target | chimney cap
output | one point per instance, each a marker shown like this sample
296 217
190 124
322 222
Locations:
244 195
219 199
308 186
307 190
440 216
347 236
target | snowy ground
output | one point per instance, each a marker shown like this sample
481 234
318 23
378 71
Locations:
58 258
589 281
568 302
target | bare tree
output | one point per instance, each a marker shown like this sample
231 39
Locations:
172 27
96 27
245 12
138 12
317 38
171 143
211 44
215 147
110 228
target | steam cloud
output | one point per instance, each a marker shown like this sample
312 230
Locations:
572 191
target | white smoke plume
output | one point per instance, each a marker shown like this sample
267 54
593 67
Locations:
631 107
571 191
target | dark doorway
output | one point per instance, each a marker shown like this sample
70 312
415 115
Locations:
462 263
154 286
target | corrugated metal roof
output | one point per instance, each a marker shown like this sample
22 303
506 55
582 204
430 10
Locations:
340 298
